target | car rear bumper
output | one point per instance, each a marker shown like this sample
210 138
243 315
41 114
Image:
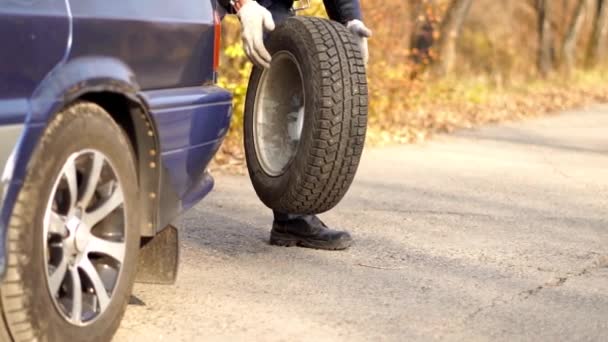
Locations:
192 123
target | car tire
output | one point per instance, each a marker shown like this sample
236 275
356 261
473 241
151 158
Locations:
306 117
76 211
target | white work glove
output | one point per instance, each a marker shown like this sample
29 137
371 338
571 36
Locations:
361 33
255 19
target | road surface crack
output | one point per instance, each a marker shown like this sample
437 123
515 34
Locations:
601 262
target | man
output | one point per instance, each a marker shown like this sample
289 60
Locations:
257 18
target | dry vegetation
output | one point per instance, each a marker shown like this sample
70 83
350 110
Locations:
439 65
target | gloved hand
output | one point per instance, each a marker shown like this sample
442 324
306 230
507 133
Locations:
361 33
255 19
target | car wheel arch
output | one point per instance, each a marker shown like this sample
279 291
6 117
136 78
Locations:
111 84
131 114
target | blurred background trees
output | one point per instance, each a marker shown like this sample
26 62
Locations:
598 48
439 64
492 37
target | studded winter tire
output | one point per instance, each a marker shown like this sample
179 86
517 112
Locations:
306 117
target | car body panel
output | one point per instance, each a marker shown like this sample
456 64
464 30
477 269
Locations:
35 36
189 117
157 54
71 79
166 44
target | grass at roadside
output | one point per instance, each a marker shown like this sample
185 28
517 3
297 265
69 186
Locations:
423 108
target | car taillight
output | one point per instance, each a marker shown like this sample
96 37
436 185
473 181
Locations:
217 40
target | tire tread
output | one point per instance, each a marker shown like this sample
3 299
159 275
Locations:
340 124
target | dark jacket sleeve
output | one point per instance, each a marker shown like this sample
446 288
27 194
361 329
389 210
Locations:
226 5
343 11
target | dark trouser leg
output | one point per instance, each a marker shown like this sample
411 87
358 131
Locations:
283 217
280 10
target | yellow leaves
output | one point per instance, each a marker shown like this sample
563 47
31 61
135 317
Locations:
235 50
316 9
408 112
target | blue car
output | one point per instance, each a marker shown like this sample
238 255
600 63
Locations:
109 116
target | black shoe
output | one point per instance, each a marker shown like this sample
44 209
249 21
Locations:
308 231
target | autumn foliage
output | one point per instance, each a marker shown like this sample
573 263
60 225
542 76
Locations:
437 65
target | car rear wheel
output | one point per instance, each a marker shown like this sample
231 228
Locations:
73 237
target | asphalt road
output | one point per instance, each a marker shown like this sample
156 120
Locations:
496 234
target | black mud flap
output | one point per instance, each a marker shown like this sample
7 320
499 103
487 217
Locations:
159 258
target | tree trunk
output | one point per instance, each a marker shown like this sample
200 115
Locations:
572 36
598 50
421 39
545 37
451 26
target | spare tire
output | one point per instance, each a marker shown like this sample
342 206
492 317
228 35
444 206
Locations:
306 116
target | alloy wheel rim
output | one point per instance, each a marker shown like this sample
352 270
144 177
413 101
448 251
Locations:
278 118
84 232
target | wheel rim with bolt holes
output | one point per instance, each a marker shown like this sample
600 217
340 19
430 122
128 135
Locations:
278 117
84 231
